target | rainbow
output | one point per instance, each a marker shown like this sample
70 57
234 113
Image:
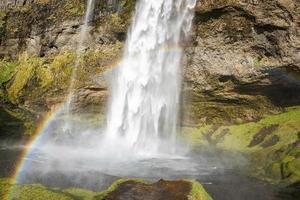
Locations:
34 141
45 124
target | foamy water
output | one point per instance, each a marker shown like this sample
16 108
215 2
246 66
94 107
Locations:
143 109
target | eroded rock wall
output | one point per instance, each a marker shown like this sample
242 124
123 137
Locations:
244 61
38 44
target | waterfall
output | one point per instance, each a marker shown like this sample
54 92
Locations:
84 31
146 85
139 139
80 48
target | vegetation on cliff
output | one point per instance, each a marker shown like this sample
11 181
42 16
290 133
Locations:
275 139
241 79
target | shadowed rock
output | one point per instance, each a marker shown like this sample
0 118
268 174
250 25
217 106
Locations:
161 190
262 134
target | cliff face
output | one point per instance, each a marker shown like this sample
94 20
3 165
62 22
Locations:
241 64
245 61
46 27
243 68
38 48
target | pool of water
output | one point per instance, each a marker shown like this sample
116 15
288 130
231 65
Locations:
220 174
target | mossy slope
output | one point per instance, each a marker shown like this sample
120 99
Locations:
191 190
275 140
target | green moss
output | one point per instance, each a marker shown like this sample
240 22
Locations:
103 194
240 136
81 194
5 187
24 73
293 168
31 80
45 76
100 61
280 155
30 77
117 23
198 192
7 70
74 8
10 191
37 192
62 62
195 136
2 16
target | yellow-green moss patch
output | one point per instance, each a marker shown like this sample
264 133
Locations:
198 192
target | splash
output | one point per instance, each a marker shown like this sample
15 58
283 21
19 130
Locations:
143 110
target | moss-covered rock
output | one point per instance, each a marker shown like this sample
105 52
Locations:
9 191
275 139
239 66
24 73
2 16
123 188
74 8
169 190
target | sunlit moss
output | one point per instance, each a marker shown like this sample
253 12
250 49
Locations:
7 70
240 135
280 155
24 73
5 188
114 186
198 192
117 23
2 16
9 191
195 136
62 62
81 193
39 192
74 8
45 76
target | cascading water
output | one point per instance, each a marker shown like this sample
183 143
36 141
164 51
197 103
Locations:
140 137
80 47
146 86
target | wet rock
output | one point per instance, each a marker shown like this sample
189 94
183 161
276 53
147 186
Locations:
262 134
161 190
121 189
238 45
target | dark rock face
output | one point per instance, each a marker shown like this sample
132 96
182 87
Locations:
244 61
50 26
10 126
48 31
162 190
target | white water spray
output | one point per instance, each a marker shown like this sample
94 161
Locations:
143 111
140 137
